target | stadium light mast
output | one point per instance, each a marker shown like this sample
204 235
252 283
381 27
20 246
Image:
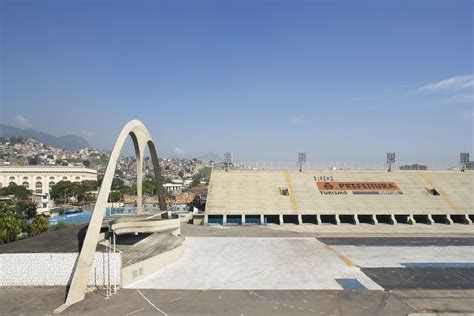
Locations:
464 159
227 160
390 160
301 160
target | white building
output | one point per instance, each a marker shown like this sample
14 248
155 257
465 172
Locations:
173 187
40 179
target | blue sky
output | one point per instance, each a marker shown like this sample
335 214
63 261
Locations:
341 80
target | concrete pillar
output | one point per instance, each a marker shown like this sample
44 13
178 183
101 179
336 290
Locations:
393 219
374 219
224 219
262 219
206 219
243 219
467 219
411 219
318 218
139 162
338 221
300 219
281 219
449 221
356 219
430 219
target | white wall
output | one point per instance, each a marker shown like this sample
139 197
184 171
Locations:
47 269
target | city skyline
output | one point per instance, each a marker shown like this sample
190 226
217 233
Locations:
342 82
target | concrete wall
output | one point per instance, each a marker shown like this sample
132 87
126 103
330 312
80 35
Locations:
48 269
146 267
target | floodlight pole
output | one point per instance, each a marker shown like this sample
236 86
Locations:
464 159
301 160
227 160
390 160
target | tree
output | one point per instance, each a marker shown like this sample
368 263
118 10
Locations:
117 184
9 228
149 186
26 209
18 191
89 185
39 225
115 196
86 163
64 189
61 225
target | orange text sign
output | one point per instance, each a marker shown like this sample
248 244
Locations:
357 186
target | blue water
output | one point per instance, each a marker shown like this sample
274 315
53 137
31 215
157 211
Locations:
85 216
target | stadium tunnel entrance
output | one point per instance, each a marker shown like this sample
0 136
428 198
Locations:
215 219
458 219
328 219
290 219
440 219
347 219
366 219
252 219
422 219
309 219
384 219
234 219
402 219
272 219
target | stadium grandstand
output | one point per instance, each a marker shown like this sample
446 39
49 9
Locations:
340 196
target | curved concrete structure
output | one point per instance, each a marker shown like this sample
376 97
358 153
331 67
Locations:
141 138
146 226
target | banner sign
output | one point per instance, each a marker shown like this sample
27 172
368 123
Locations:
357 188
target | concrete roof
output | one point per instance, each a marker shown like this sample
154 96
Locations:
258 192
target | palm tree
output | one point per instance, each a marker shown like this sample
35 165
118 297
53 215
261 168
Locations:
39 225
9 228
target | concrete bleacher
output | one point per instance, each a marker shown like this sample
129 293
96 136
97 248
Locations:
257 192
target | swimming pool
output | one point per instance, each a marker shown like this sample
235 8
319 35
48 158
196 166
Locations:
85 216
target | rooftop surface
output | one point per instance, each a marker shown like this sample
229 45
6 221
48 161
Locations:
339 191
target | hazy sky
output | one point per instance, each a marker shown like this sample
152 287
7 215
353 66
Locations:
341 80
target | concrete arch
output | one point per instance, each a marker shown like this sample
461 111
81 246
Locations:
141 138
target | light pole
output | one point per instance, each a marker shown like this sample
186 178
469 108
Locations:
301 160
464 159
390 160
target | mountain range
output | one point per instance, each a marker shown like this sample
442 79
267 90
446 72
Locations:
68 142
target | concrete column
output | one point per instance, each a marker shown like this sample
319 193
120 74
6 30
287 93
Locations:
300 219
338 221
281 219
393 219
243 219
374 219
224 219
206 219
467 219
318 218
411 219
430 219
356 219
262 219
139 162
449 221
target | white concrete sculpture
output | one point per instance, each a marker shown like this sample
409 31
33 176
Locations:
141 138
